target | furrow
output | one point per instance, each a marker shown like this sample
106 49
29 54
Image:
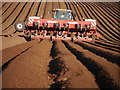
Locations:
105 76
111 56
66 71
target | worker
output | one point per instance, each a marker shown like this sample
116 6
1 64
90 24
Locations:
44 33
65 34
76 35
56 34
51 34
93 37
41 32
72 37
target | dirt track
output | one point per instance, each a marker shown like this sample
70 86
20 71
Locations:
46 64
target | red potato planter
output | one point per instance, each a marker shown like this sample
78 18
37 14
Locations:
62 24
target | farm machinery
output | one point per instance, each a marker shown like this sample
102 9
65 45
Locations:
61 27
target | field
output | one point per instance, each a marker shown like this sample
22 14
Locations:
61 64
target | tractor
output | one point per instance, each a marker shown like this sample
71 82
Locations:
61 26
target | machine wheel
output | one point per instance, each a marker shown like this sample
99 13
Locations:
20 26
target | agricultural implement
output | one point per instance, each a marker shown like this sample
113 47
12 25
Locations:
62 26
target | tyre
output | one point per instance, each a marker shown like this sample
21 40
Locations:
20 26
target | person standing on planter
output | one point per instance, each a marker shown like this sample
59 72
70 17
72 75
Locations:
51 34
72 37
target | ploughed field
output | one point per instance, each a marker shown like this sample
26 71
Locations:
62 64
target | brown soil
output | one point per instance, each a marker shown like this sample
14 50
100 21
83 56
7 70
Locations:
56 64
99 66
68 71
11 41
16 50
29 69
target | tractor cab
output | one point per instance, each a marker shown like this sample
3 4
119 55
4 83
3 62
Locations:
62 14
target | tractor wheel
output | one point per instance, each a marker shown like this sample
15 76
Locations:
20 26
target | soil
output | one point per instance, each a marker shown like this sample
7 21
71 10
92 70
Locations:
11 41
60 64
